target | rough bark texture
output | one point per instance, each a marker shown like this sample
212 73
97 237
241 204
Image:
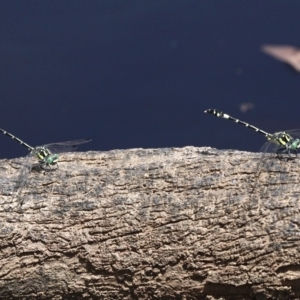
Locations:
189 223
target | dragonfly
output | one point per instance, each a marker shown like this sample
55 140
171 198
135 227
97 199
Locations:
47 155
283 142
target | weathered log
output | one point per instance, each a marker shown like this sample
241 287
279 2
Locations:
188 223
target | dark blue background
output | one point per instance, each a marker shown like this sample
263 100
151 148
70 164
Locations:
132 73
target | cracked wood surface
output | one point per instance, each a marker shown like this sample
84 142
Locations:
176 223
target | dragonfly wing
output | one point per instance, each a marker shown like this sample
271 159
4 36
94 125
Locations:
25 166
269 147
295 133
66 146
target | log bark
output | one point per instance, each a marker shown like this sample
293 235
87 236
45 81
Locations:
178 223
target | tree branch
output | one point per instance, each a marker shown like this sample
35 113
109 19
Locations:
193 223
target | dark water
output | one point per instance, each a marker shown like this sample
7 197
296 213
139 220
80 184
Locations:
140 73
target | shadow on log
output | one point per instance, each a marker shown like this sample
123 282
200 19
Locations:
177 223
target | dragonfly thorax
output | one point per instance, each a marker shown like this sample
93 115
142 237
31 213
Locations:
280 138
45 156
289 144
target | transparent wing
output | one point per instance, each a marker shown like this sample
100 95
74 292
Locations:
269 147
264 161
66 146
294 132
25 168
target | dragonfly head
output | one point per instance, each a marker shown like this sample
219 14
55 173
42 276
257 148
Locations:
51 159
295 144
